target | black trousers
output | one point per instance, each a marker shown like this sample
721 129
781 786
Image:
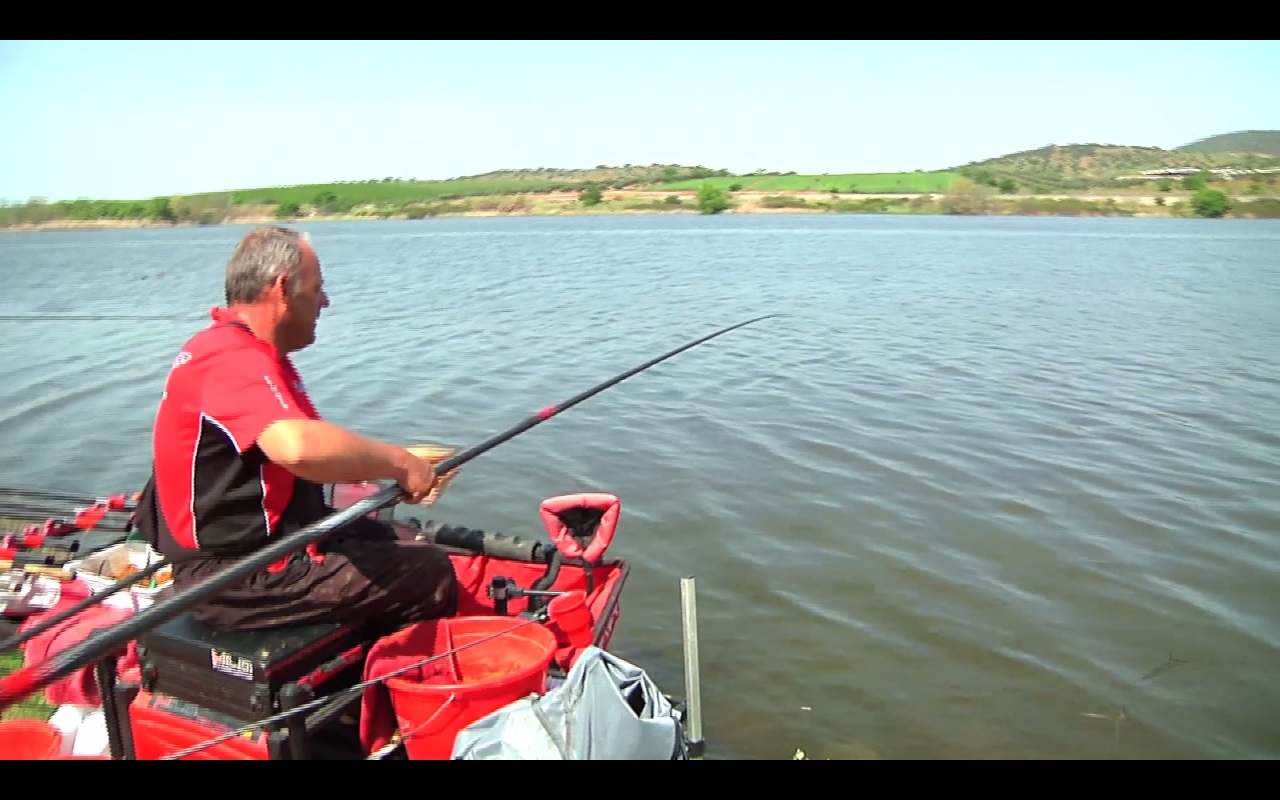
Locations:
372 571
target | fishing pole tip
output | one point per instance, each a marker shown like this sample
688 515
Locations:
761 317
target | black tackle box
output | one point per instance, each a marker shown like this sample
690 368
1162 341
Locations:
241 673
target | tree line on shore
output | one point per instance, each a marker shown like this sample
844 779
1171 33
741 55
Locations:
972 194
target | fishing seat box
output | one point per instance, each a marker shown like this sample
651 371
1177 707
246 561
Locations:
240 674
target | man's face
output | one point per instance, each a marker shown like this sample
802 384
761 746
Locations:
298 324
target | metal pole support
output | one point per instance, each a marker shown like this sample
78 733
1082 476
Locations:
692 680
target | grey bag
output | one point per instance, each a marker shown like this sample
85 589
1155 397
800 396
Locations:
605 710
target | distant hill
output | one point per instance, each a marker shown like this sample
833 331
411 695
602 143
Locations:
1077 167
345 195
618 177
1257 142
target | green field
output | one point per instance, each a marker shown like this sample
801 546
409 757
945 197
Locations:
856 183
343 196
359 193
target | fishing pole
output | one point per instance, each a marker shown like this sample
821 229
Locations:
113 502
28 679
91 317
93 599
54 517
24 549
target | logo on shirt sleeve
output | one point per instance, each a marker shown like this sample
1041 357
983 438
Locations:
271 385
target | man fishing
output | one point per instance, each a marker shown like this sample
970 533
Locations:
241 455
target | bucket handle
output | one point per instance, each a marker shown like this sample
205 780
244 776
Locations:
406 736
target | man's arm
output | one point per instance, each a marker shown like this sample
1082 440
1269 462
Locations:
326 453
248 397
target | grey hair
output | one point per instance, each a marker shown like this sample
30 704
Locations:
262 255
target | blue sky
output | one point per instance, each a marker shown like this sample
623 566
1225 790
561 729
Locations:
139 119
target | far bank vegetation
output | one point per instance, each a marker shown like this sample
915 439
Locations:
1071 180
964 198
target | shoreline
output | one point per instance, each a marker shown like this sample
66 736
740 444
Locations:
633 202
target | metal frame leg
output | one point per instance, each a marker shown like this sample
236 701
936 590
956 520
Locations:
692 680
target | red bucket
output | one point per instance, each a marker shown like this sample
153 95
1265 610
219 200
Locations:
572 618
491 675
29 740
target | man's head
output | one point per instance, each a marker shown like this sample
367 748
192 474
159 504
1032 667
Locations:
274 281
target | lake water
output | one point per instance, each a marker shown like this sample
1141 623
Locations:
984 477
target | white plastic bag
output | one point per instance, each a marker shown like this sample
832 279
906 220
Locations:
607 709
